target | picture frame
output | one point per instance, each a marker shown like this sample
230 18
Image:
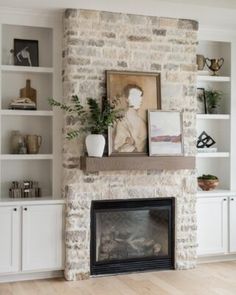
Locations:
26 53
201 101
135 92
165 133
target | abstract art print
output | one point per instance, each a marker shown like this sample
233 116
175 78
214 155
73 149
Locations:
135 92
26 52
165 133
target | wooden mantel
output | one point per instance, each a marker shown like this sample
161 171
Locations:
91 164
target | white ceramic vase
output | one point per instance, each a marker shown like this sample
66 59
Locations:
95 144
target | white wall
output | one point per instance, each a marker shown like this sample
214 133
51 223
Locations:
219 14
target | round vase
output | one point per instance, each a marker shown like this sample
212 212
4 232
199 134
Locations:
95 144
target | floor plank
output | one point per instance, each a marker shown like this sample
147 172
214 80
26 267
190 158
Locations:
206 279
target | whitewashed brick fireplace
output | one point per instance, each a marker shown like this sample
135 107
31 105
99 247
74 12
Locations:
97 41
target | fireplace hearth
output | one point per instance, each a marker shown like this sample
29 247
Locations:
132 235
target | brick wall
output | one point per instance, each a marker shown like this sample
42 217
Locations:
97 41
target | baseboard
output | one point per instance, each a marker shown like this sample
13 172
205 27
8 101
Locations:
216 258
31 276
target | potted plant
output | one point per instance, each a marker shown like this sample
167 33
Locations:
208 182
94 120
213 98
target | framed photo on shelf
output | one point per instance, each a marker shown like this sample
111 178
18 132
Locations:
135 92
26 53
201 101
165 133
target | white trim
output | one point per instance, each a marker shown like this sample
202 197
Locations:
213 155
216 193
26 113
26 157
213 78
34 201
46 70
216 258
213 116
31 276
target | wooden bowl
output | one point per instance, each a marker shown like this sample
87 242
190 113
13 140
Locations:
208 184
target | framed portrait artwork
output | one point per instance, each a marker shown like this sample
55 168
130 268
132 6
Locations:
26 52
201 101
165 133
135 92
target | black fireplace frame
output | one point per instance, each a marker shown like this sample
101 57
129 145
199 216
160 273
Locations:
134 264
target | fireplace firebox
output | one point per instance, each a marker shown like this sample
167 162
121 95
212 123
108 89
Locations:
132 235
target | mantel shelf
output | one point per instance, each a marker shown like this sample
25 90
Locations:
91 164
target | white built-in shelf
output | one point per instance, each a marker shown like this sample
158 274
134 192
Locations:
21 69
213 155
26 113
26 157
216 193
208 78
213 116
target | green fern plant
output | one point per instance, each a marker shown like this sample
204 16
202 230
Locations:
95 120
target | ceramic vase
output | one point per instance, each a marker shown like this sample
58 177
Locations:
95 144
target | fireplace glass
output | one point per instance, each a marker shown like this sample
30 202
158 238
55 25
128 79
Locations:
132 234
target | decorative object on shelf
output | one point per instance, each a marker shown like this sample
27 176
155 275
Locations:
201 101
16 141
11 57
214 64
27 100
165 133
22 104
22 149
136 92
33 143
208 182
201 61
24 189
95 144
212 98
205 141
26 52
29 92
96 121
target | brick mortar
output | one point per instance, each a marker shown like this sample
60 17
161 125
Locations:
95 41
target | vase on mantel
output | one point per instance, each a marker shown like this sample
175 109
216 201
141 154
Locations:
95 144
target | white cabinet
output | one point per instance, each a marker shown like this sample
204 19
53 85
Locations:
212 232
31 238
9 239
42 237
232 224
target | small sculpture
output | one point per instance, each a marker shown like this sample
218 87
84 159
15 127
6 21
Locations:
205 140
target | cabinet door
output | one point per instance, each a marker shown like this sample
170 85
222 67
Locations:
232 224
9 239
42 242
212 224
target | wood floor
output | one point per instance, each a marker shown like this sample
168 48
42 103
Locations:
207 279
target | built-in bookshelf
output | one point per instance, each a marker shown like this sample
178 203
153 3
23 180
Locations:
45 166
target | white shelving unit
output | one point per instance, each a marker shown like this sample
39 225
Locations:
44 167
218 126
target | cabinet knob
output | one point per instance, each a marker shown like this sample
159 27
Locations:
15 209
225 199
25 209
232 199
